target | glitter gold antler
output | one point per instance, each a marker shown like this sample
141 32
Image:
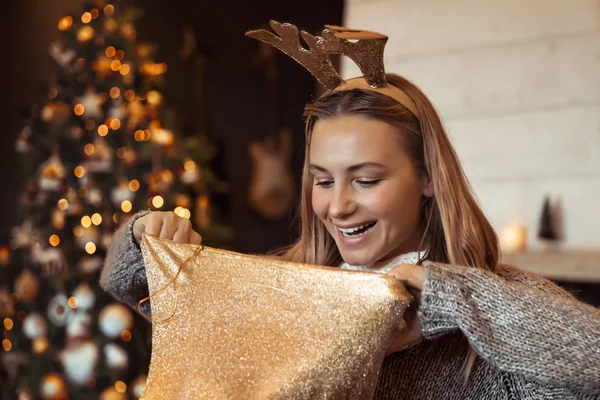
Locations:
315 60
365 48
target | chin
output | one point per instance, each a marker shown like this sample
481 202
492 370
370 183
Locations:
358 259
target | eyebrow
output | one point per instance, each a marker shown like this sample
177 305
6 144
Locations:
351 168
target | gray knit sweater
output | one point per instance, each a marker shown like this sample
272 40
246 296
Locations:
533 339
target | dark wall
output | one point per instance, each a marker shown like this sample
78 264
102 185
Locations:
235 92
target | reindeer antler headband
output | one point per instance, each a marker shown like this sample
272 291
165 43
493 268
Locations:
365 48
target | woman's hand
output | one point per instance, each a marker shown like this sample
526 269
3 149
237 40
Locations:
413 277
166 225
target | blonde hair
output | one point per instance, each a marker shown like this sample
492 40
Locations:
457 231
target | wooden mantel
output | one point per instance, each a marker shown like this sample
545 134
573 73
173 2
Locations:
559 265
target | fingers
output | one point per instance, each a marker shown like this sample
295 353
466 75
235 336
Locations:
411 275
195 238
183 229
166 225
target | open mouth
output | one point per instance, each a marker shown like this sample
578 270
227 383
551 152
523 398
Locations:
357 230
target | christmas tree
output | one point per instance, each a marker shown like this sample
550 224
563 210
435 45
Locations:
101 147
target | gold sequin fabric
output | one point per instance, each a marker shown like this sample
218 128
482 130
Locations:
235 326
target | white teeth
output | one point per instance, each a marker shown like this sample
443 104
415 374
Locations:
353 229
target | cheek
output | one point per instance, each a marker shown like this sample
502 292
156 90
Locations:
400 208
320 204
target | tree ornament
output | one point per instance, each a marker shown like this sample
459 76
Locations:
92 104
79 359
7 308
137 386
121 192
56 113
114 319
51 259
58 219
23 145
23 236
110 393
116 357
101 161
89 234
94 197
40 345
52 172
34 326
78 324
63 57
26 286
160 181
53 387
90 264
58 310
85 297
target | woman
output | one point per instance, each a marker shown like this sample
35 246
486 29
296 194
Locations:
383 190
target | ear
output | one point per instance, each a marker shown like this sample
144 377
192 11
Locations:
427 186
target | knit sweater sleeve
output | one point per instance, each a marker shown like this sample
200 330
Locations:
124 273
516 321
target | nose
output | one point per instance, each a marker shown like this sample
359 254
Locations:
342 203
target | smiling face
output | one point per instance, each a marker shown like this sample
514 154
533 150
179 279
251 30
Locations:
366 190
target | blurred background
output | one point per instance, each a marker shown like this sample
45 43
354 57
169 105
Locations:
115 107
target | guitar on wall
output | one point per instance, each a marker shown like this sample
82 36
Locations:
272 186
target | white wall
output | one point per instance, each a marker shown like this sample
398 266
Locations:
517 83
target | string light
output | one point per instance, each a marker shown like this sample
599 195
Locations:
126 335
40 345
110 51
78 231
96 219
115 218
182 212
65 23
54 240
154 97
72 302
139 135
7 345
52 93
158 201
85 33
115 65
120 55
90 248
109 9
95 13
8 324
103 130
129 95
189 165
115 92
124 70
63 204
89 149
86 221
126 206
115 124
79 171
79 109
134 185
89 124
86 17
120 387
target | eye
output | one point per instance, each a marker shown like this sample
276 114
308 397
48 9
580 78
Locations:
368 183
324 183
